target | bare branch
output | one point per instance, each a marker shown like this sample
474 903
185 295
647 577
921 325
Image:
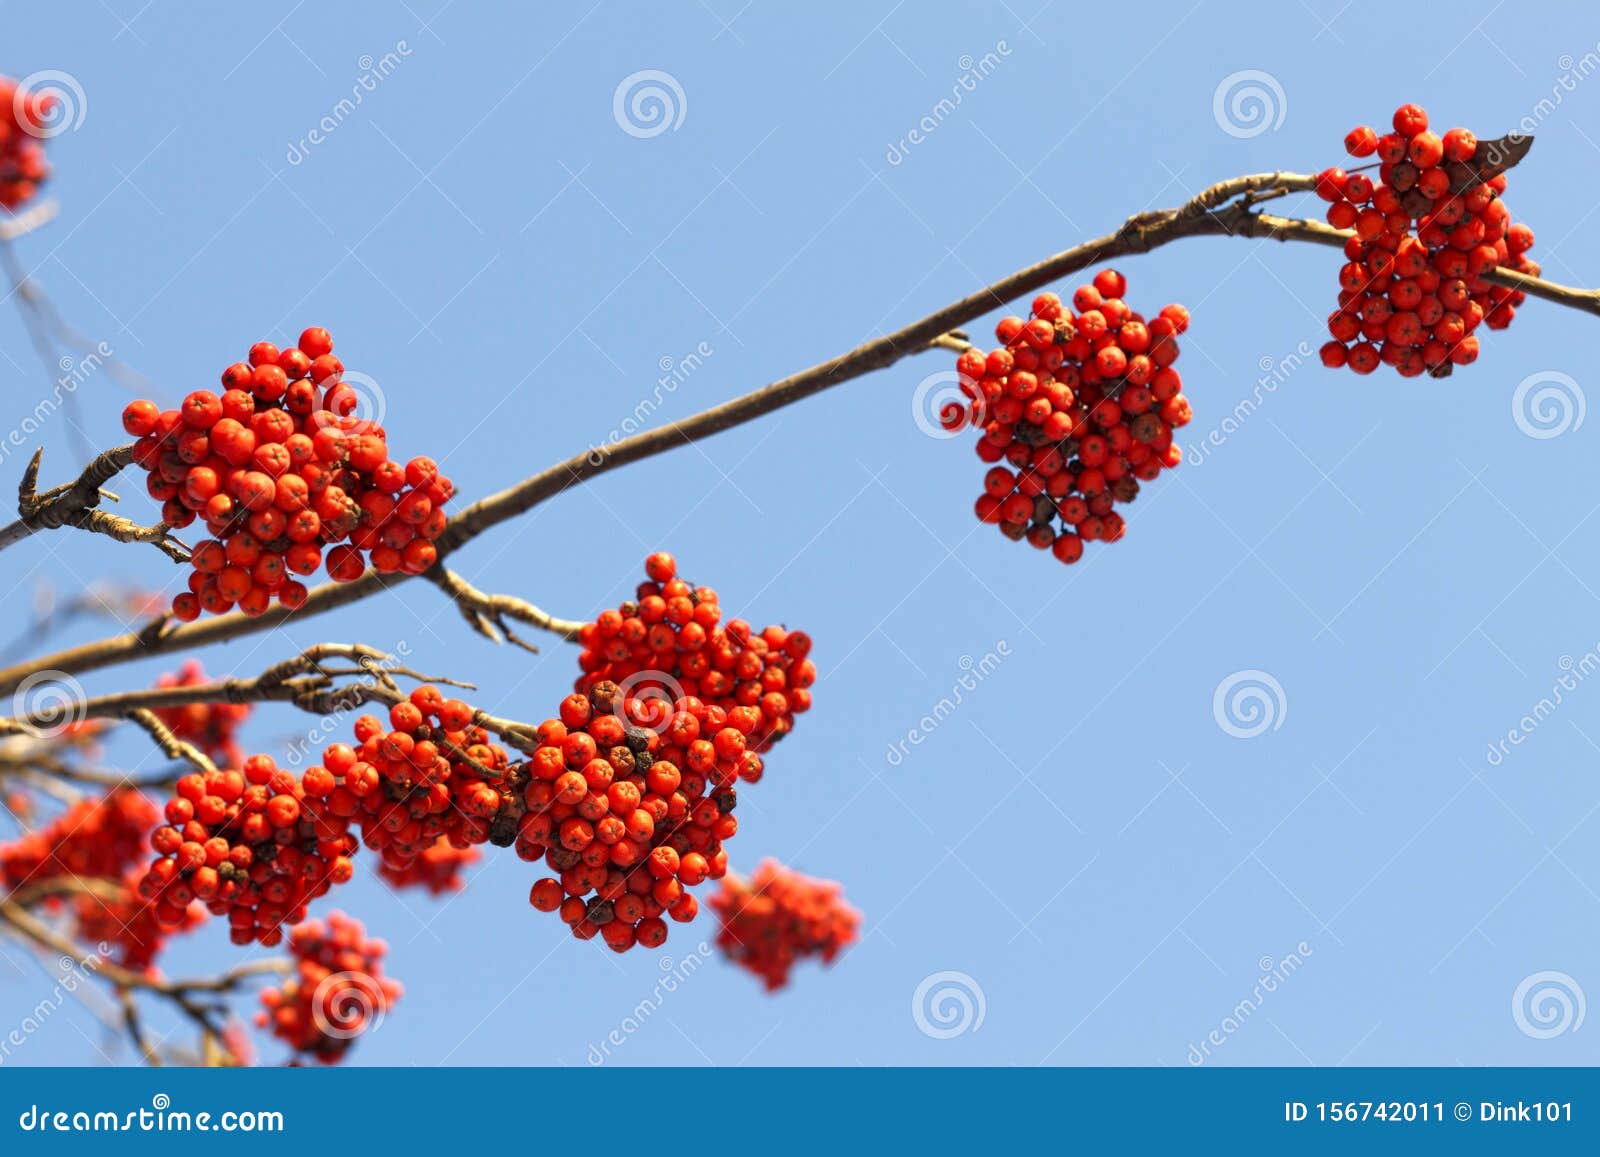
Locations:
487 614
1223 209
171 746
75 504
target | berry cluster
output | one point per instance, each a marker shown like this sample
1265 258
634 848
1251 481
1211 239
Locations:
1411 292
92 839
136 927
669 642
23 167
779 917
337 992
437 868
280 466
427 774
245 844
209 726
629 801
1080 406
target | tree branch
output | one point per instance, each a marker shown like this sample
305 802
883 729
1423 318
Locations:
1223 209
75 504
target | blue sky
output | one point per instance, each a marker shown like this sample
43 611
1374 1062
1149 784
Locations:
1107 865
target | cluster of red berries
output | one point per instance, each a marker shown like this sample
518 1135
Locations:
23 167
279 466
427 774
1411 292
669 642
337 992
209 726
245 844
779 917
1080 406
437 868
134 926
630 801
92 839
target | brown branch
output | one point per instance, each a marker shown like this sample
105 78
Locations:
75 504
308 681
183 994
487 614
1224 209
171 746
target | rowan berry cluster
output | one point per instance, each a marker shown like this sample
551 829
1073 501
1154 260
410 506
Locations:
279 466
437 868
629 802
427 774
23 167
245 844
779 917
1079 403
209 726
669 642
92 839
337 992
122 918
1411 292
